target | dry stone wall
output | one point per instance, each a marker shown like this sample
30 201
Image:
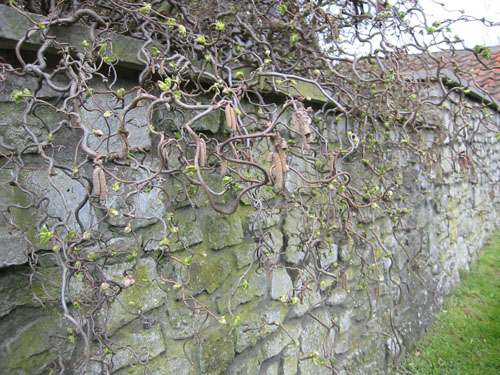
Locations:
349 322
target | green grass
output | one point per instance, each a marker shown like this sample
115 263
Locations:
465 339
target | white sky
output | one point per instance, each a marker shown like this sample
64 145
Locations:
472 33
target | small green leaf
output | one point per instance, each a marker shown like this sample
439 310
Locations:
146 9
478 48
165 85
18 96
236 321
155 51
45 235
294 38
71 235
85 44
120 92
220 26
116 186
102 49
107 114
109 59
182 29
201 39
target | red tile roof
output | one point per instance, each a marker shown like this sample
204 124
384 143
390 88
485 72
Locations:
481 68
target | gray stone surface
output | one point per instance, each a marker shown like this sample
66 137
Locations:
163 315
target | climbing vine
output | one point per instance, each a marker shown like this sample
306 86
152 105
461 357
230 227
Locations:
315 104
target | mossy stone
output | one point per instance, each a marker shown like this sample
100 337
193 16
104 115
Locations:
254 314
223 231
25 347
254 286
139 338
144 295
216 350
209 272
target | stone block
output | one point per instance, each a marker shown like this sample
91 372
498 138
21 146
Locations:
337 298
281 283
290 362
209 272
223 231
144 295
15 291
216 350
255 314
136 338
253 286
14 249
25 347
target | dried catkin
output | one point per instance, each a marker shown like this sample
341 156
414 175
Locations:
281 146
103 194
230 117
235 120
99 182
304 122
284 166
278 182
261 83
203 153
223 167
164 154
349 243
96 182
331 160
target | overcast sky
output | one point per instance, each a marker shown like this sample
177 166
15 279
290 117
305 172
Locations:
473 33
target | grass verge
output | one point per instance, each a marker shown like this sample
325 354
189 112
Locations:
465 339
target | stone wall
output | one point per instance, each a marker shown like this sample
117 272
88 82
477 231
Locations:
235 316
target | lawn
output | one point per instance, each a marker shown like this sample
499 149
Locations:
465 339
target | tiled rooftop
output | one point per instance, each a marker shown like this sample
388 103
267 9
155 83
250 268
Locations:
481 70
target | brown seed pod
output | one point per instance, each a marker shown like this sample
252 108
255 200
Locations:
278 182
203 153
